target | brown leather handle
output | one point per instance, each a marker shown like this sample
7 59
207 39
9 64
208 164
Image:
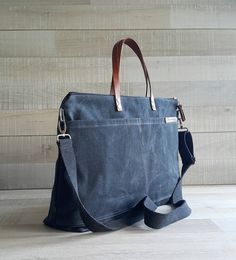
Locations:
115 84
116 55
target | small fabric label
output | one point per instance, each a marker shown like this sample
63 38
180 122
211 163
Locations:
170 120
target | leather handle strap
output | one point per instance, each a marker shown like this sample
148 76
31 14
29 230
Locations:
115 83
116 56
151 218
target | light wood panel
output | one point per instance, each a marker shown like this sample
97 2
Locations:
45 95
29 149
28 161
137 16
24 123
45 2
184 4
213 171
41 175
99 43
43 122
192 93
195 3
98 70
211 119
26 175
48 48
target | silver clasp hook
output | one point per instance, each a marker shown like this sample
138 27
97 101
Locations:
62 121
62 126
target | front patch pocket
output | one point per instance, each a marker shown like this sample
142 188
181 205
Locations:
119 161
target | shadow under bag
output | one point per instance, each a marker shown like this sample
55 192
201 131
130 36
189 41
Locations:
118 158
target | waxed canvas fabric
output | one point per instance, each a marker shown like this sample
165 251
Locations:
121 156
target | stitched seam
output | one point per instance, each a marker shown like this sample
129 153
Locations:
115 125
160 122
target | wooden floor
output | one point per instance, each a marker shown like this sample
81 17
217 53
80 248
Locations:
209 233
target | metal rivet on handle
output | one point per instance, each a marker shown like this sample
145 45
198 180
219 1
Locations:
153 105
118 105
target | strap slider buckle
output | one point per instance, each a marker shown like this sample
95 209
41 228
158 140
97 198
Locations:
63 136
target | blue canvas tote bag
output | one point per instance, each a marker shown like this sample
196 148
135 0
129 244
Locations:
118 158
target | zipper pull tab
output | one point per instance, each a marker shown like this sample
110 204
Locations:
180 109
181 115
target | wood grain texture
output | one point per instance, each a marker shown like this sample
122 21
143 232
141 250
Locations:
99 43
43 122
136 16
98 70
192 93
173 3
45 2
209 233
41 175
26 175
32 158
26 123
195 3
212 171
48 48
26 149
42 94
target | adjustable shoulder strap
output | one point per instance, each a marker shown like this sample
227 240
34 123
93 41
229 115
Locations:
180 208
151 218
68 156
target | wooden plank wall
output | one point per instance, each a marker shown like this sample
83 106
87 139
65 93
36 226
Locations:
50 47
